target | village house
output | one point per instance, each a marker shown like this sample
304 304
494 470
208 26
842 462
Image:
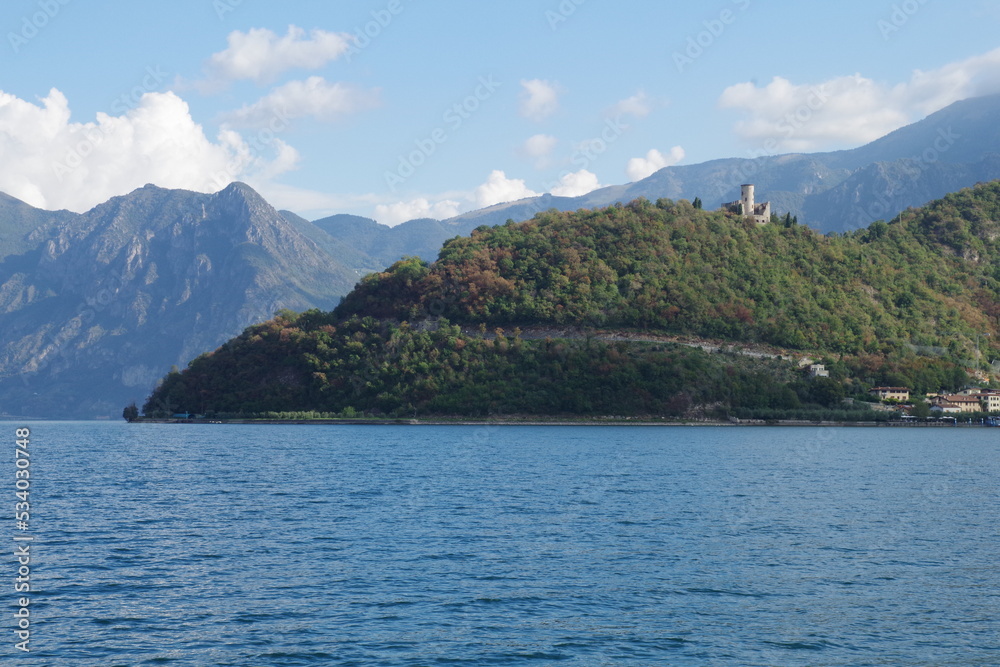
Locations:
901 394
818 371
964 403
939 405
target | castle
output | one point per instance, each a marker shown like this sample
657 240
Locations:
761 213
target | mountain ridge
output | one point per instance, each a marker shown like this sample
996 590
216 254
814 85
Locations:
938 158
93 312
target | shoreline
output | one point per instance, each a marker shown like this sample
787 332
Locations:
560 422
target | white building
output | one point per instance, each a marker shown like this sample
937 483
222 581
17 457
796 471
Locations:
818 371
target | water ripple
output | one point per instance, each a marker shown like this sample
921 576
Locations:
212 545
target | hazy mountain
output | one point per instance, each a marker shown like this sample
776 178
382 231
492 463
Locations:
956 147
836 191
883 189
22 226
344 251
95 308
384 245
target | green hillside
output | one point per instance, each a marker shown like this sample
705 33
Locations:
904 302
669 267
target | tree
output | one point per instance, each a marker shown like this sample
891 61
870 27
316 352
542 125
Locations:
697 202
920 409
826 392
131 412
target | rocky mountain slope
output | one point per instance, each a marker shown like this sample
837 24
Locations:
94 307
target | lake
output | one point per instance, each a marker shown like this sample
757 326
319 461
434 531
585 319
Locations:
509 545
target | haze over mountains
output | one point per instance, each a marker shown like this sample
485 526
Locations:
94 308
956 147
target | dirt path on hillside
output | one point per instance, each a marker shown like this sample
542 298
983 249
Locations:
744 349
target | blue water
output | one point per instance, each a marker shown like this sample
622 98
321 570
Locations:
318 545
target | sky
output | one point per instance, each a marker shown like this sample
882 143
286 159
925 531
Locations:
399 109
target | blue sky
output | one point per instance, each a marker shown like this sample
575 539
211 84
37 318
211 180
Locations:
397 109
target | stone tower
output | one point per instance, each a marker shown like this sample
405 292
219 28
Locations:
759 213
749 208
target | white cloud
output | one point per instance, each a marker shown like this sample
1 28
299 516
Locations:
50 162
394 214
310 204
576 184
539 148
638 106
850 110
639 168
315 97
539 99
260 55
499 189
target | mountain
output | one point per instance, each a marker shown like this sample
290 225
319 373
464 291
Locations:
21 225
105 300
384 245
94 306
839 191
580 312
343 250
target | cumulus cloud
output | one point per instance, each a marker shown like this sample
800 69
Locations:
315 97
539 148
50 162
310 204
260 55
499 189
576 184
851 110
639 168
394 214
539 99
638 106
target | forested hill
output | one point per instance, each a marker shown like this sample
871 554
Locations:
904 302
928 278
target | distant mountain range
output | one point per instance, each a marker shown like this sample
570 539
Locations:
95 307
839 191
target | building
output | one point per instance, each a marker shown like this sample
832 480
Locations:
944 407
761 213
901 394
962 402
989 400
818 371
